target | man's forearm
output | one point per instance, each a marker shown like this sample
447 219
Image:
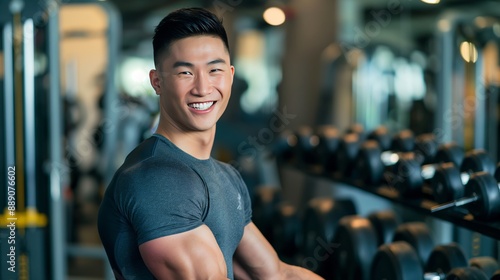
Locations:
291 272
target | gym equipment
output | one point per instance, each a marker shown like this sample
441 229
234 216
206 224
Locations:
346 153
396 261
496 276
375 156
416 234
283 147
358 239
482 197
264 203
320 222
358 242
488 265
410 174
443 259
385 224
286 230
466 273
305 149
329 138
448 181
400 261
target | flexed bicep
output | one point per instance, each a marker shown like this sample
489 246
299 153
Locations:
193 254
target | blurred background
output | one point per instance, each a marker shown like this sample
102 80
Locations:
76 99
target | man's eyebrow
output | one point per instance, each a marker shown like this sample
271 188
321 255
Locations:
216 61
182 64
189 64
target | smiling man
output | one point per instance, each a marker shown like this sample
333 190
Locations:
171 210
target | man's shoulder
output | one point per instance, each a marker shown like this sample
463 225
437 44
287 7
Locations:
152 159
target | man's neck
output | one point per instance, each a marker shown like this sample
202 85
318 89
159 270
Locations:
197 144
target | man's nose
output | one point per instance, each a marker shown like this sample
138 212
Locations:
202 85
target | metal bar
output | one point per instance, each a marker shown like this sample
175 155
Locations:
444 111
57 236
29 112
480 120
18 108
114 38
9 95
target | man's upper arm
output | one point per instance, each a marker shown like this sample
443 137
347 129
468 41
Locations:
193 254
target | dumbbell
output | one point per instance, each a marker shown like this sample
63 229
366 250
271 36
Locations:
264 203
286 231
284 146
375 157
304 150
482 197
329 138
400 261
320 221
488 265
496 276
358 239
412 179
348 147
355 154
448 181
416 234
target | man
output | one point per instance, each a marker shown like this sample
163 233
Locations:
172 211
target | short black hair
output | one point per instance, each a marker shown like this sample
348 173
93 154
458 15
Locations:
183 23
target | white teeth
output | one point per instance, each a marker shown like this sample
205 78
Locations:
201 106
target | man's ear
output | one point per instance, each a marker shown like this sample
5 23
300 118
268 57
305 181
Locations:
154 79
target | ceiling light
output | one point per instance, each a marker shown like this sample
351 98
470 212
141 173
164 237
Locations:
274 16
432 2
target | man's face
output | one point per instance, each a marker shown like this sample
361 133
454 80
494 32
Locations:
194 83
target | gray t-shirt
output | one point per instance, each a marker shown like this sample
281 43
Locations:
161 190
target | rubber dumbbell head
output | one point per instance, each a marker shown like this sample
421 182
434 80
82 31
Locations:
426 147
396 261
382 136
264 203
416 234
357 242
444 258
328 144
306 145
482 197
488 265
448 182
466 273
346 154
411 175
284 146
320 221
287 233
372 159
385 224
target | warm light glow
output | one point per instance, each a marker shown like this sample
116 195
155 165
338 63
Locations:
433 2
444 25
274 16
468 52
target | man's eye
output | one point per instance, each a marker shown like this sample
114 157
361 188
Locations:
185 73
215 70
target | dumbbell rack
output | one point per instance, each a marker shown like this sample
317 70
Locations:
456 215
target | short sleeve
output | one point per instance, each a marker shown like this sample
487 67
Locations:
162 201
